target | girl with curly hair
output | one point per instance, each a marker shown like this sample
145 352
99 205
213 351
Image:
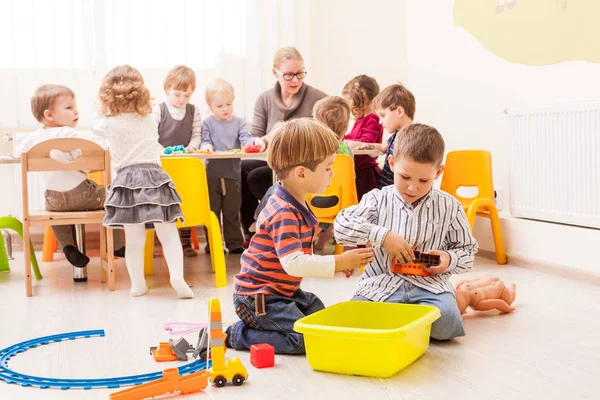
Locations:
142 195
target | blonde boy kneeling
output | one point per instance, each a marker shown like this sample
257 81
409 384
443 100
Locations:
268 298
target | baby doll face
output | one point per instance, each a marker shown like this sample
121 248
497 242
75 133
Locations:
62 113
413 180
179 98
221 106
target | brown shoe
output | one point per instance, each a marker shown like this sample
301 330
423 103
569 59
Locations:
189 252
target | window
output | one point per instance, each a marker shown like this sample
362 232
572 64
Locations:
68 34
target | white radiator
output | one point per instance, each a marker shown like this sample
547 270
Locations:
554 167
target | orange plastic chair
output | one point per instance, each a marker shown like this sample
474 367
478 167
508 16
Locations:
189 176
50 242
342 188
468 168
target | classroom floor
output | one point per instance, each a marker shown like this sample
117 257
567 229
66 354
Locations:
549 348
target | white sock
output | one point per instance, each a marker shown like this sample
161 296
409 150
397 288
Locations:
135 235
169 238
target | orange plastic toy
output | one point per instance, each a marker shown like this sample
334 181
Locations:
170 382
485 293
164 352
416 267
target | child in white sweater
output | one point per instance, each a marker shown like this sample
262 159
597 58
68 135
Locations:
142 195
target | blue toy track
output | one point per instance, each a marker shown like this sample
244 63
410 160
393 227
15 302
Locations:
10 376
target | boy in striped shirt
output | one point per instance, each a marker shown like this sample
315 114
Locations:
412 215
267 297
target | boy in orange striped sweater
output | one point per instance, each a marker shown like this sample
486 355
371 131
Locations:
268 298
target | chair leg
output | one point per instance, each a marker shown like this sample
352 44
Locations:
149 253
111 259
4 266
497 234
195 239
27 261
103 255
16 225
216 251
49 245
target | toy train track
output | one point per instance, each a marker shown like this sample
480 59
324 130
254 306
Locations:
10 376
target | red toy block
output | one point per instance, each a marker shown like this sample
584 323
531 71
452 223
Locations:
262 355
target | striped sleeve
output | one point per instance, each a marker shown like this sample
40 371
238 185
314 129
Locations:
357 225
460 243
284 230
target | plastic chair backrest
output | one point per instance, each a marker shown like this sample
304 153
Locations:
468 168
343 185
189 176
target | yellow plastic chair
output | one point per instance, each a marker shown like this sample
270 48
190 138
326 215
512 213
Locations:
468 168
340 194
189 176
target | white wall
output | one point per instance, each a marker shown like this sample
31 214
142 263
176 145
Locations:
461 88
351 37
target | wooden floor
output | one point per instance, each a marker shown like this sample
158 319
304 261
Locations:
549 348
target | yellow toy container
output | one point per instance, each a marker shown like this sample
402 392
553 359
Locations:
366 338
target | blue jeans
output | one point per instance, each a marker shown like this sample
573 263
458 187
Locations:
448 326
276 327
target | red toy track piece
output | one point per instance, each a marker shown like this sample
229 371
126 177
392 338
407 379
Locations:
252 148
262 355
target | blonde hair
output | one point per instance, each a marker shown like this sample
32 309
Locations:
334 112
284 54
180 78
300 142
219 87
44 97
421 143
395 96
360 92
123 90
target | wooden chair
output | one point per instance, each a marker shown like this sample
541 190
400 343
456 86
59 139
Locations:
94 158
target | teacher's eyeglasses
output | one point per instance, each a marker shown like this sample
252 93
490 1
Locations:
289 76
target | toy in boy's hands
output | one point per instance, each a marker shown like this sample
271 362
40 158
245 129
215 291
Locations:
485 293
419 266
443 261
398 248
252 148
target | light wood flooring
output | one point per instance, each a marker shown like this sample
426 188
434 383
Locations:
549 348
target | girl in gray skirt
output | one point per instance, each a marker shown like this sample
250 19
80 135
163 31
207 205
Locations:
141 196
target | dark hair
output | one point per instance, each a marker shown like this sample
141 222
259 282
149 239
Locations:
360 92
395 96
421 143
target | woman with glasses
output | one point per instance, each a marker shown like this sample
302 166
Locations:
290 98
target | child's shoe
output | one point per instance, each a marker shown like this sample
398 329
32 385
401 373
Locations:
75 257
189 252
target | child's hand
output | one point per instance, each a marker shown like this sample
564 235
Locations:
353 259
190 149
398 248
207 147
261 143
444 262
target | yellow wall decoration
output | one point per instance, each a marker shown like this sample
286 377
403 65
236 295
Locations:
534 32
